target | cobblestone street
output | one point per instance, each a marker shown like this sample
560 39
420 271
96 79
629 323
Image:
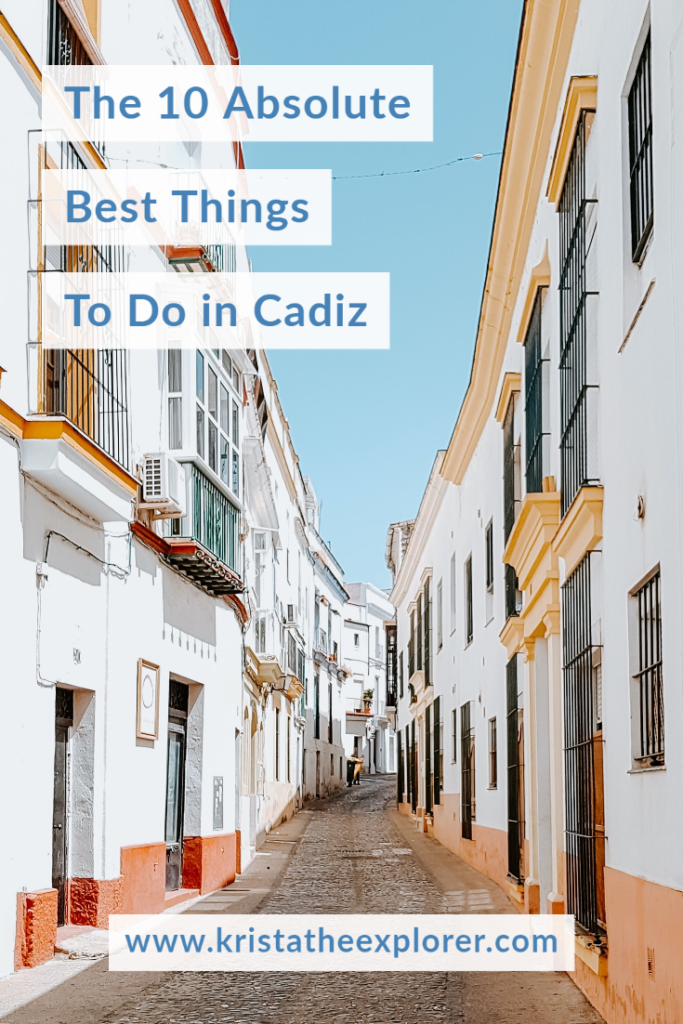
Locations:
351 854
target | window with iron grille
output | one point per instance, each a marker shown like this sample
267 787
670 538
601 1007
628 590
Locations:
438 750
277 744
511 488
647 677
640 154
584 819
419 649
575 385
400 674
493 754
515 775
316 707
63 44
469 608
330 724
533 399
467 779
411 646
429 764
399 768
427 632
513 596
489 556
454 736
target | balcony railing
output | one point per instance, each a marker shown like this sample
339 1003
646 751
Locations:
205 544
89 388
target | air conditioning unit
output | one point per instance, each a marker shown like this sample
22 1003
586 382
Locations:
163 485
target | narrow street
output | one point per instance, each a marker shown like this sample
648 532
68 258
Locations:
350 854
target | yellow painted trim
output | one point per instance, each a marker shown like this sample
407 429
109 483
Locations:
21 54
512 385
582 94
540 278
589 955
545 45
581 529
64 430
512 635
11 420
532 534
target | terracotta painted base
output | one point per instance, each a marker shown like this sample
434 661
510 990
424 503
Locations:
209 862
36 928
92 900
487 851
644 981
143 873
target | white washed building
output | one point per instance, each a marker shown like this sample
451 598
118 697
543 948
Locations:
539 598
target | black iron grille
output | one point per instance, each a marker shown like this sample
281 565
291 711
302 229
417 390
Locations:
63 45
533 399
515 775
640 154
467 780
574 377
579 756
649 675
178 697
64 704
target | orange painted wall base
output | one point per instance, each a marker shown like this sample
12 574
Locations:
143 873
92 900
209 862
644 930
36 928
487 851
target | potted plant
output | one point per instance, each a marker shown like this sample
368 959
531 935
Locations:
367 700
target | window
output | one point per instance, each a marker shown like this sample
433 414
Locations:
439 615
584 814
647 678
289 749
260 633
411 646
515 774
356 640
419 663
330 725
453 589
489 557
316 707
640 154
214 423
469 610
277 743
400 674
493 754
259 568
454 736
511 493
577 394
534 385
175 399
427 633
467 779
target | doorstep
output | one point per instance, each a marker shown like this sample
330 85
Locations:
81 942
174 896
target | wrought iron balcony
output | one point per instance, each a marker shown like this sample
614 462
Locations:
205 545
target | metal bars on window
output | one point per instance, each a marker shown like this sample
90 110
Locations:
640 154
579 757
649 675
574 376
469 606
429 764
391 665
509 460
214 519
438 750
467 781
63 44
489 556
533 398
515 776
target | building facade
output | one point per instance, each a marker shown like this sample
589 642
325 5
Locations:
538 590
171 620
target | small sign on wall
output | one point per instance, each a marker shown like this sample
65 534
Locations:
148 700
217 802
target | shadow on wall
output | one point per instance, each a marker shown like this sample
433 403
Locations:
186 608
43 520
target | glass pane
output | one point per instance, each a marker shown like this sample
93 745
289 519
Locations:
213 446
200 432
175 423
227 363
173 787
213 394
225 407
236 473
236 379
175 370
235 424
200 376
225 461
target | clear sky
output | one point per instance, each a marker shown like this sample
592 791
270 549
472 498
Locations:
367 425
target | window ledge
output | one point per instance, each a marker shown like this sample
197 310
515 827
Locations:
648 768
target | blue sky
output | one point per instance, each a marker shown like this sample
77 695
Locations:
367 425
